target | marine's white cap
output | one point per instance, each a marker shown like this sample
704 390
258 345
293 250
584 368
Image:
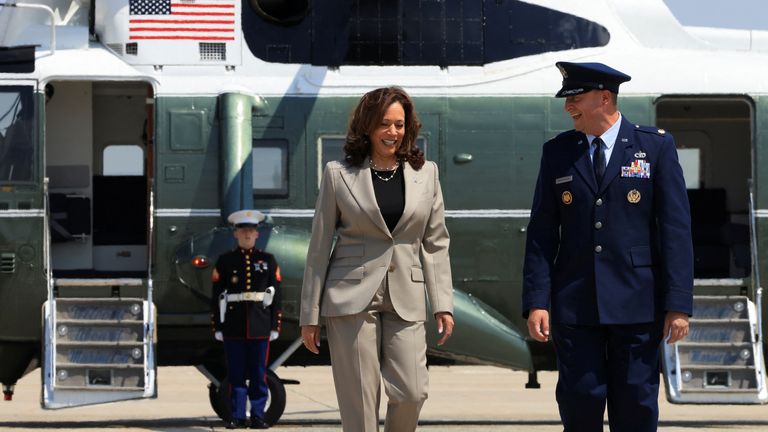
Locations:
246 218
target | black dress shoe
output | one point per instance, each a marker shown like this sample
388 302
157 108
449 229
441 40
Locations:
259 423
237 424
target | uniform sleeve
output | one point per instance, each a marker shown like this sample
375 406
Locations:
217 289
674 223
435 260
318 255
542 242
275 278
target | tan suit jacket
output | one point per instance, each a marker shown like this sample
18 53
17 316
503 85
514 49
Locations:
342 279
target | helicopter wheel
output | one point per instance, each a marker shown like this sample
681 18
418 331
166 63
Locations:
222 405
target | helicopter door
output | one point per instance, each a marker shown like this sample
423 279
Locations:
99 337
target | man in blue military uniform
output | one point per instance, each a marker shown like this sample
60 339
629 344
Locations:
609 258
246 314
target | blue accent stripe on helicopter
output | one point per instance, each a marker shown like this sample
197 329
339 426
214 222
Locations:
22 213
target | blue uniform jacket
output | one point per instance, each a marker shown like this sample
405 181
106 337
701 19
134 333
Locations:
240 271
620 253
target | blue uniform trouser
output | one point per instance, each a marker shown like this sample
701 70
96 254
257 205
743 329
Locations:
247 359
614 363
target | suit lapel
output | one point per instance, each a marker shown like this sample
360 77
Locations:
621 155
583 163
360 184
413 181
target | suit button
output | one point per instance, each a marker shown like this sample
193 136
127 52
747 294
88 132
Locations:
598 225
598 248
391 267
599 202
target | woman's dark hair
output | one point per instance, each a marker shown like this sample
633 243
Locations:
367 116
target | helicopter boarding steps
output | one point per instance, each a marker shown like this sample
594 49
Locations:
99 348
721 360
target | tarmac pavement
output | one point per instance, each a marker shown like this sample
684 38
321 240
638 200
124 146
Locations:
462 398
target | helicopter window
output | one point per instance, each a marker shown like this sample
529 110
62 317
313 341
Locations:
331 149
123 160
426 32
18 133
270 168
285 12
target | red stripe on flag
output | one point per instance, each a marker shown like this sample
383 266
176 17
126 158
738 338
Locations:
202 5
169 37
160 21
179 29
204 13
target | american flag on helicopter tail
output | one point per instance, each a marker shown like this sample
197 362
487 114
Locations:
200 20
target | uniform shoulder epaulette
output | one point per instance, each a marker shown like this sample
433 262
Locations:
651 129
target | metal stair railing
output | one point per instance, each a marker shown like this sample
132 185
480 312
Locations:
757 291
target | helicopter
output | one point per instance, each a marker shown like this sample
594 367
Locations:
130 130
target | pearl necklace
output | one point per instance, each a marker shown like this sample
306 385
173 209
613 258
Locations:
392 169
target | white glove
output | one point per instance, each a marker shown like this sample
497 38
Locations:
269 294
273 335
218 336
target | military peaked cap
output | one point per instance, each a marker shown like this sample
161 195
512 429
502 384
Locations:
246 218
580 78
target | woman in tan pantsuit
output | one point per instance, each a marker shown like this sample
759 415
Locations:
384 205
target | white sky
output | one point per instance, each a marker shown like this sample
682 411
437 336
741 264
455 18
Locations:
739 14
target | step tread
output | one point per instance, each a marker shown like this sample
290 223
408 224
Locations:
79 282
719 297
97 388
716 367
720 282
98 299
99 344
72 321
100 365
718 390
714 344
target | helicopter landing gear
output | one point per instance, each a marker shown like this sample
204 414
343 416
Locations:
221 404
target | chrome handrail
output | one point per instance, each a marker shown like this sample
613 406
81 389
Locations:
39 7
757 289
47 240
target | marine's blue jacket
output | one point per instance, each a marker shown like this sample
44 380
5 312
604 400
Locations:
620 253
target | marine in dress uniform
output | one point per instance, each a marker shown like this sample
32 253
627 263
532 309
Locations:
246 314
609 257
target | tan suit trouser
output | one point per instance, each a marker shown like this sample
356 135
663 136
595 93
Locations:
373 344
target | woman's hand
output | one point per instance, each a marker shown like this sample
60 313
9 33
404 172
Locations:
311 336
444 325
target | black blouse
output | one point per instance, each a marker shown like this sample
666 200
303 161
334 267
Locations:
390 195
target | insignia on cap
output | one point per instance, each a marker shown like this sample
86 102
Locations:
567 197
633 196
